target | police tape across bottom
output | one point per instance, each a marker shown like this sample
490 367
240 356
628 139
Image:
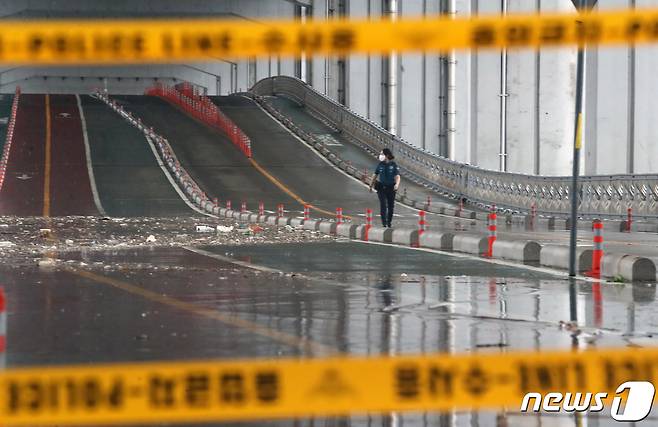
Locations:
262 389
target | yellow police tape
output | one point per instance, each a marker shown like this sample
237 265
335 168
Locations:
132 41
264 389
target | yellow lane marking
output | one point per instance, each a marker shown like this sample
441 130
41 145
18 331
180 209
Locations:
303 344
289 192
46 179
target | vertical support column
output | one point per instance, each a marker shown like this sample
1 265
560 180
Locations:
393 76
502 154
452 92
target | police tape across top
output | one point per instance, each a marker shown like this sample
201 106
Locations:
151 41
268 389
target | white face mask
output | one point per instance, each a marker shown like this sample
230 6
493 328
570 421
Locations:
382 157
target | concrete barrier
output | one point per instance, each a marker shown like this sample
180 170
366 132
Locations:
558 257
407 237
514 219
360 232
296 222
262 218
540 223
311 224
283 221
327 227
560 224
517 250
215 210
254 217
271 219
436 240
644 227
469 214
380 234
482 216
347 230
628 267
437 209
476 244
244 217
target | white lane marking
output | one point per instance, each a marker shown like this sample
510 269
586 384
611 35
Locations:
172 182
90 168
231 260
546 270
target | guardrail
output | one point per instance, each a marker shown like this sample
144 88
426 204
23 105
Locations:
600 196
202 108
10 136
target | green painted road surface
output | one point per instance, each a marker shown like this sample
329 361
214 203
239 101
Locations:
129 180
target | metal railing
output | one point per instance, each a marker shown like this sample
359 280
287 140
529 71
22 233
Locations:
600 196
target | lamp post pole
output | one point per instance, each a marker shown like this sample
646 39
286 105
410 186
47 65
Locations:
581 5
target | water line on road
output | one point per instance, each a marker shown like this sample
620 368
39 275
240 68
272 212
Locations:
309 347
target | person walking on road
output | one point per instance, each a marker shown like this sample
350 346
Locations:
386 181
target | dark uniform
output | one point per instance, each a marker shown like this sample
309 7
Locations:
385 186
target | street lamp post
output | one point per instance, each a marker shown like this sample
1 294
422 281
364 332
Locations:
581 5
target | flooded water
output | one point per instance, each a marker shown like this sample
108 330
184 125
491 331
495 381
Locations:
326 298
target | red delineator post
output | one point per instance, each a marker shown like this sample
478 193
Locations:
368 223
228 205
421 226
243 207
597 254
279 210
215 202
492 230
461 207
261 208
307 212
339 215
629 219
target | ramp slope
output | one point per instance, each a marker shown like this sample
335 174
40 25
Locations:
22 192
219 168
293 163
129 180
71 192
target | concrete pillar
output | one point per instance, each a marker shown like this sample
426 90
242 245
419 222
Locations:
646 104
522 101
466 97
487 79
556 101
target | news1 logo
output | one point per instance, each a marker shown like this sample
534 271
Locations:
639 401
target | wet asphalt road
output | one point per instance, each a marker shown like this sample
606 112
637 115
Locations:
178 304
